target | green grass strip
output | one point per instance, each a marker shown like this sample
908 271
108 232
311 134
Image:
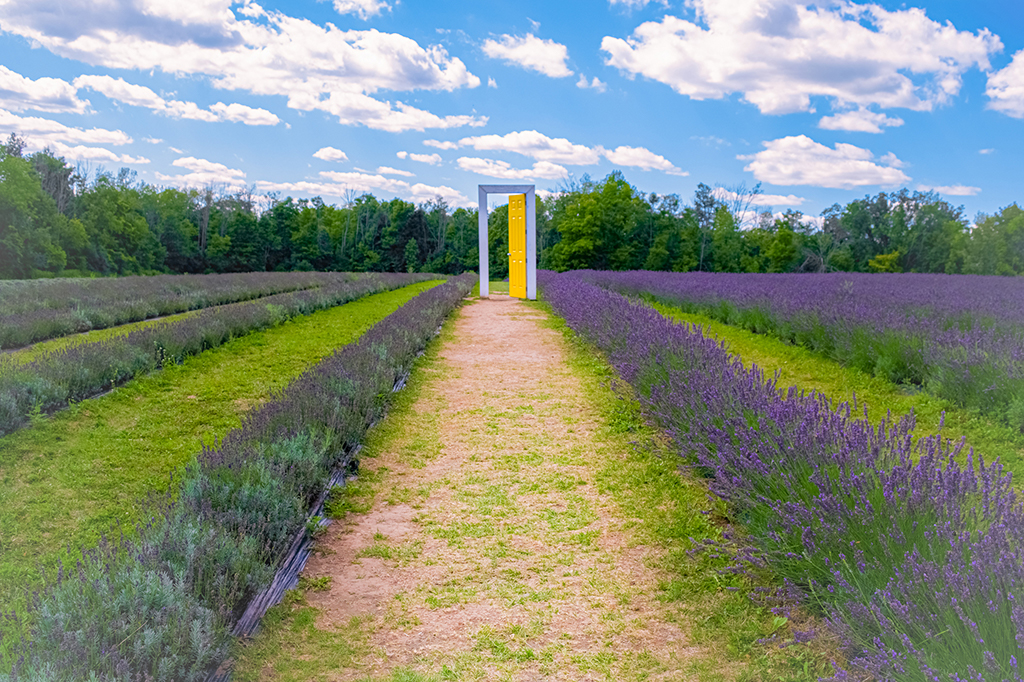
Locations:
800 367
69 478
30 353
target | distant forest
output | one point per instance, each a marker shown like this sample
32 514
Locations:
55 221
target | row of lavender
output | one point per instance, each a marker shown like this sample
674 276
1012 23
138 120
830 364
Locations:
40 309
917 561
160 606
56 378
961 337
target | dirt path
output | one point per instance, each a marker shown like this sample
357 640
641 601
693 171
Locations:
490 551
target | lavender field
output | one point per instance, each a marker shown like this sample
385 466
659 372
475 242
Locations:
959 337
39 309
52 380
915 560
175 587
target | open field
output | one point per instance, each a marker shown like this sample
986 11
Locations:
107 453
618 496
35 310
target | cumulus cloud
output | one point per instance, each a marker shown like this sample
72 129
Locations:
561 151
1006 88
437 144
491 83
639 157
336 184
80 152
595 84
18 93
330 154
43 131
122 91
388 170
502 169
780 53
203 173
432 159
530 52
364 9
259 51
799 160
535 145
860 121
951 190
761 199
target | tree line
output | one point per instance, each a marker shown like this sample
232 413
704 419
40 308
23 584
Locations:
55 220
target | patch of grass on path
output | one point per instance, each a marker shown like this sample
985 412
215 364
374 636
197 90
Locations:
69 478
804 369
531 530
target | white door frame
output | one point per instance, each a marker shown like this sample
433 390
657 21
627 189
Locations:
531 235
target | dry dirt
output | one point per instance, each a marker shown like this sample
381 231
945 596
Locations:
489 551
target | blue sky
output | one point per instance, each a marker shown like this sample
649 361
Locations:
820 102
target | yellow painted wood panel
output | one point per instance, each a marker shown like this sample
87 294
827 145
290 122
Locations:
517 245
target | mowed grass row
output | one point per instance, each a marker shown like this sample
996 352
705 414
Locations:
68 479
29 353
808 371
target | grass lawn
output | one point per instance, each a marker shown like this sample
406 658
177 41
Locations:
808 371
67 479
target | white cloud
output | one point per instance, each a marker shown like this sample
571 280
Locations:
502 169
84 153
18 93
363 8
536 145
530 52
636 4
152 140
951 190
388 170
331 154
437 144
1006 88
339 184
203 173
43 131
639 157
120 90
860 121
432 159
240 113
491 83
986 151
596 84
761 199
780 53
262 52
799 160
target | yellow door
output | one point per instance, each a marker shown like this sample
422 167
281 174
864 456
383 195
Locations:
517 245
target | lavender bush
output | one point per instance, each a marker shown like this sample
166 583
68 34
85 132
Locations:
916 560
54 379
959 336
39 309
159 606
